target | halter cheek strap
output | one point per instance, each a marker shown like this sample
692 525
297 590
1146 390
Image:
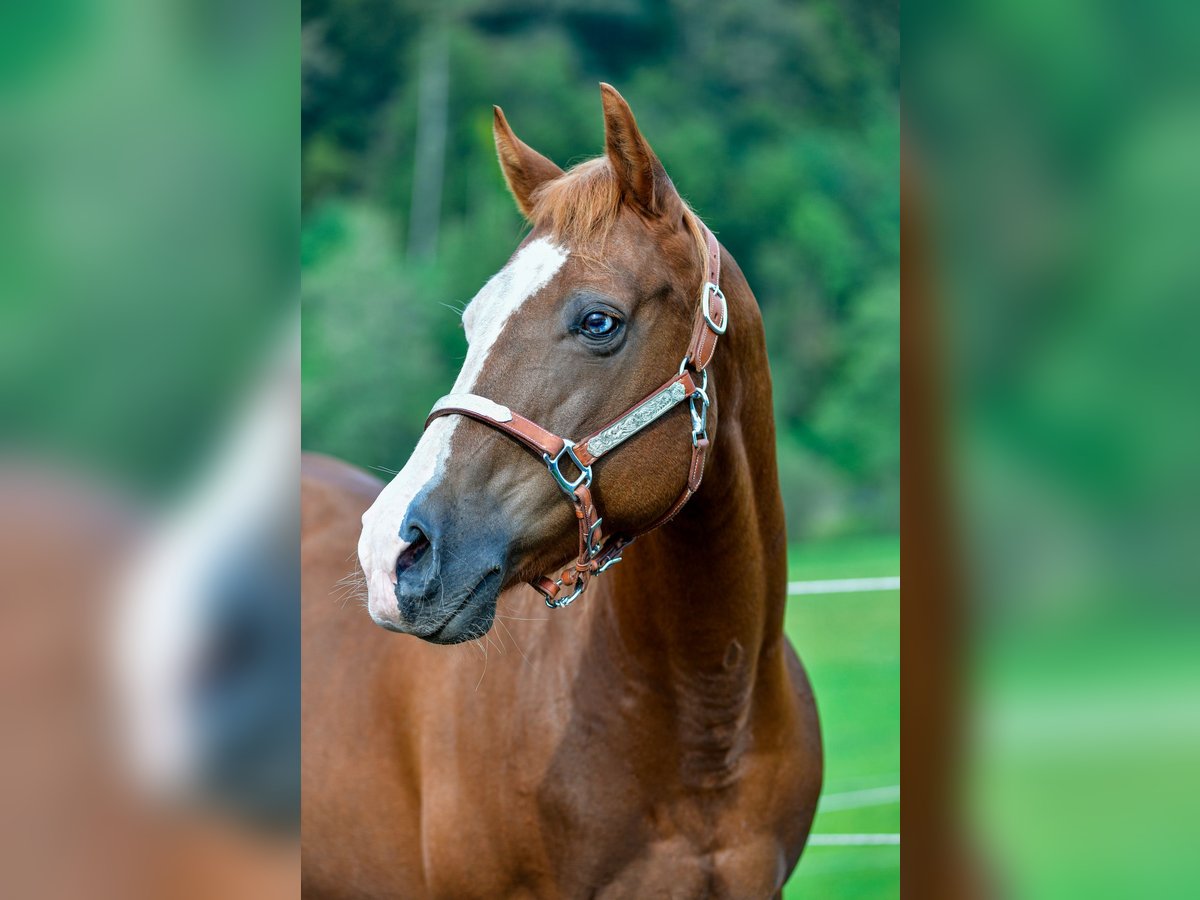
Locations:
690 384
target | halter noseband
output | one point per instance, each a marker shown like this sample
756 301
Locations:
595 553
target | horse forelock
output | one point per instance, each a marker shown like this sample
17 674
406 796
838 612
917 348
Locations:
581 206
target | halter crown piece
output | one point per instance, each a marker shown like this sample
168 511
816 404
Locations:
597 554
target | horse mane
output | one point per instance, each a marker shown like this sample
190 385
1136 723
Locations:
583 203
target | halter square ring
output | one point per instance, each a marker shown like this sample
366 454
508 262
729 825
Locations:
568 486
706 308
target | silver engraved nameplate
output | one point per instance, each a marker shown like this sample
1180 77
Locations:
637 419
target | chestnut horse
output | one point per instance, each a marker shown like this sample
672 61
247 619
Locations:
659 737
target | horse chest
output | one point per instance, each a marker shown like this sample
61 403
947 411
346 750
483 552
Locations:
585 824
675 871
606 859
580 796
616 837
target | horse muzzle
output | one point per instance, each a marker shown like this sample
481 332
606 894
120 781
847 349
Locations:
445 579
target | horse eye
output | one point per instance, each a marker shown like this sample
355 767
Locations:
598 324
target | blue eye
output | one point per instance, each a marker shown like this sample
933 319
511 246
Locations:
598 324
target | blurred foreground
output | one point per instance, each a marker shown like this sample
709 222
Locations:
149 695
149 683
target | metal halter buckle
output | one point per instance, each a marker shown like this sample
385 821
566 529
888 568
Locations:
585 472
706 309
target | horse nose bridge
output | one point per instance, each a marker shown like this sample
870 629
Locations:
439 514
480 470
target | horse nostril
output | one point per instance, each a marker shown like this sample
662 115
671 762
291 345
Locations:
412 553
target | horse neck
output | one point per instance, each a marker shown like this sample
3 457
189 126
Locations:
696 610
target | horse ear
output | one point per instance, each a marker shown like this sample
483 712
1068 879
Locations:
524 168
642 175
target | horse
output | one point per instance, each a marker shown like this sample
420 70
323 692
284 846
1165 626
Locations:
656 735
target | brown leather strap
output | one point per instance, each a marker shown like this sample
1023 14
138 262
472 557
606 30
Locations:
704 338
589 453
515 425
616 545
587 564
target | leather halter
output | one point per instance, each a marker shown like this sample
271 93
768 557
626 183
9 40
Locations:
691 383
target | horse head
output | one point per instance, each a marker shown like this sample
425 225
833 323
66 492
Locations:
593 311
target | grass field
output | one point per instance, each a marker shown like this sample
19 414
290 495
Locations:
1086 725
850 644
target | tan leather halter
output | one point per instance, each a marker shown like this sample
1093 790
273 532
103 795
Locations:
595 553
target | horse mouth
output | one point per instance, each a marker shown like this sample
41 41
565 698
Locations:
471 617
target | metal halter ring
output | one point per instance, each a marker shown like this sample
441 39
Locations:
568 486
566 601
709 290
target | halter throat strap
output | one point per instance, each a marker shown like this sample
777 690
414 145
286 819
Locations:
690 384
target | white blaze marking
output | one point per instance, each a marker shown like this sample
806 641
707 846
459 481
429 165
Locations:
380 545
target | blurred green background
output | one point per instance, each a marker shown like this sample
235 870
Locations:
778 121
148 228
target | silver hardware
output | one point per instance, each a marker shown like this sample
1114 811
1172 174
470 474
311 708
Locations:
585 472
593 551
703 372
699 417
608 565
637 419
567 601
580 585
709 290
593 548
